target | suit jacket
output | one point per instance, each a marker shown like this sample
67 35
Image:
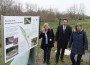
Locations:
62 37
50 35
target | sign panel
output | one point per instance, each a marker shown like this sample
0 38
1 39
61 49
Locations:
20 33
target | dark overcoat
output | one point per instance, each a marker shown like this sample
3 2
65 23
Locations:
62 37
50 35
78 42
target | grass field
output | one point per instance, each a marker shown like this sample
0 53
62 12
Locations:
54 25
72 23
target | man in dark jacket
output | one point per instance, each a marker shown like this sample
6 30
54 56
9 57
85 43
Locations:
62 37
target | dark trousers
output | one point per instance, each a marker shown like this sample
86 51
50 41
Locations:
47 51
79 56
60 52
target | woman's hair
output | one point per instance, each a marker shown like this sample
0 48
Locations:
78 24
45 24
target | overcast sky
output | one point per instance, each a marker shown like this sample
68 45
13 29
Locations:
61 5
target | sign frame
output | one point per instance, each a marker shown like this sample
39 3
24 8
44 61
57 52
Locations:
3 44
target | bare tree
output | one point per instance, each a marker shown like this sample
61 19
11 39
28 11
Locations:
81 11
10 7
72 11
31 9
76 12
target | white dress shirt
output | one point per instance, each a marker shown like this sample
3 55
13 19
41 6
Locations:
64 28
46 38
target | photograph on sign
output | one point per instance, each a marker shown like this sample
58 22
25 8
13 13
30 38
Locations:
11 52
11 40
34 41
27 20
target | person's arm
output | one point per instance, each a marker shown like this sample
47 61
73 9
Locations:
70 41
52 35
85 41
70 32
40 35
57 34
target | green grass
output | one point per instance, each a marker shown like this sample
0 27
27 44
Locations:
52 61
0 56
54 25
72 23
0 37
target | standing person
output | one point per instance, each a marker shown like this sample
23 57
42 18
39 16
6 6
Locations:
78 44
47 36
62 37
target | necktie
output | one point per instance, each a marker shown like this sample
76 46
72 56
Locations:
64 28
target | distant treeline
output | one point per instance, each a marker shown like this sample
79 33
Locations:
13 8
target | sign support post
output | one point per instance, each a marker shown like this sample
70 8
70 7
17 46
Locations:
2 26
59 20
32 57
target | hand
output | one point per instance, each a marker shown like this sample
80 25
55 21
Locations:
50 39
69 49
86 51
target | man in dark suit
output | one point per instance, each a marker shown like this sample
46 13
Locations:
62 37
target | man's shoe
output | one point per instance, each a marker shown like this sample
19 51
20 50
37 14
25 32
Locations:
48 63
62 61
73 64
56 63
44 61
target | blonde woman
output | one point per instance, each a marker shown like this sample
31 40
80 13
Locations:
47 36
